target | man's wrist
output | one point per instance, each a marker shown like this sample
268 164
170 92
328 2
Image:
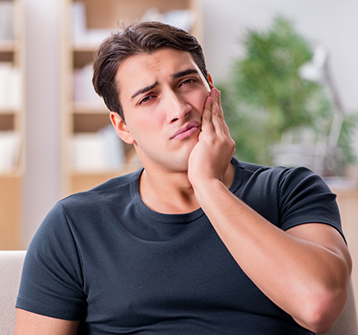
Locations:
207 187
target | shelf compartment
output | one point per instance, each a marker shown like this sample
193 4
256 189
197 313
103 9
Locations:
10 211
84 181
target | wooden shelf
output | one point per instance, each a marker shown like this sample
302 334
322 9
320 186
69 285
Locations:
91 122
84 47
8 111
10 50
347 200
10 211
88 108
82 181
12 120
7 121
7 46
110 13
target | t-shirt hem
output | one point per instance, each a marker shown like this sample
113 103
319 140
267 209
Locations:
287 227
50 311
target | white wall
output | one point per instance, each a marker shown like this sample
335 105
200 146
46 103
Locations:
333 23
328 21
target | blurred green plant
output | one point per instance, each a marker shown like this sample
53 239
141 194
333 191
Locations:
265 96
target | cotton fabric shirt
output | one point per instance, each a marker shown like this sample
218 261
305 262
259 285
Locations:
105 258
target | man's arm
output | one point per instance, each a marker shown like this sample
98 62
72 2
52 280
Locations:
35 324
305 270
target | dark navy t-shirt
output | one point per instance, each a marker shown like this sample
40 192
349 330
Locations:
105 258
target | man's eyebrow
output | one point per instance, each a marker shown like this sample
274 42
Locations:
145 89
175 75
184 73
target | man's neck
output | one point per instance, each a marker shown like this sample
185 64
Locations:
167 192
171 192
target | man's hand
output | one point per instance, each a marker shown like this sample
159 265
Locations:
211 156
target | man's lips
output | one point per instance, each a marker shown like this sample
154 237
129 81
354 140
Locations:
189 129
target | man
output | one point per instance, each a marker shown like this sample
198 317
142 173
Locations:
195 242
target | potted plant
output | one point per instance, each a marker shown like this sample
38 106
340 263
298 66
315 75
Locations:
270 107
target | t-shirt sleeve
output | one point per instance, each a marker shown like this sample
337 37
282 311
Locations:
306 198
52 283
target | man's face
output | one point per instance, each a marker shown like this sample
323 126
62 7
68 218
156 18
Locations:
162 95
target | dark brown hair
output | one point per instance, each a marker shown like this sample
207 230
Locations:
137 38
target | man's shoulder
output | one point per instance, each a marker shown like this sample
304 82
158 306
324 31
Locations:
113 183
252 169
119 188
273 177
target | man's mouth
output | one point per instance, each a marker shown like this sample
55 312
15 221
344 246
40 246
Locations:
189 129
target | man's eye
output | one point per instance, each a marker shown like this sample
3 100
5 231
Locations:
145 99
188 81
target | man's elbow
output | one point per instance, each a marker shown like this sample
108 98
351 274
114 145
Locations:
322 313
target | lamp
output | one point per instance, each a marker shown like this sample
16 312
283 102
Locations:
318 70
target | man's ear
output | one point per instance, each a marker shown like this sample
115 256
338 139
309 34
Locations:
210 81
121 128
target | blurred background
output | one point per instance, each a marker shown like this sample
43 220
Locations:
287 70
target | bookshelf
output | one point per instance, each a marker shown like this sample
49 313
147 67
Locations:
347 200
12 117
85 117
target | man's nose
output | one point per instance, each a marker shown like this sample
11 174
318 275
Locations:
177 108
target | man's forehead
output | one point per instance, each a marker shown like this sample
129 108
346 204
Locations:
139 66
147 59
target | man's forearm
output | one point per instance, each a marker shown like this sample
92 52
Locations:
28 323
305 277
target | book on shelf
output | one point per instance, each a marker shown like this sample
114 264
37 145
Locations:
100 151
79 24
10 143
83 90
6 20
84 36
10 86
81 34
180 18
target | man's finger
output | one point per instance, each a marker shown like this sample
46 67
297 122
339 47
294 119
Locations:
220 113
207 113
